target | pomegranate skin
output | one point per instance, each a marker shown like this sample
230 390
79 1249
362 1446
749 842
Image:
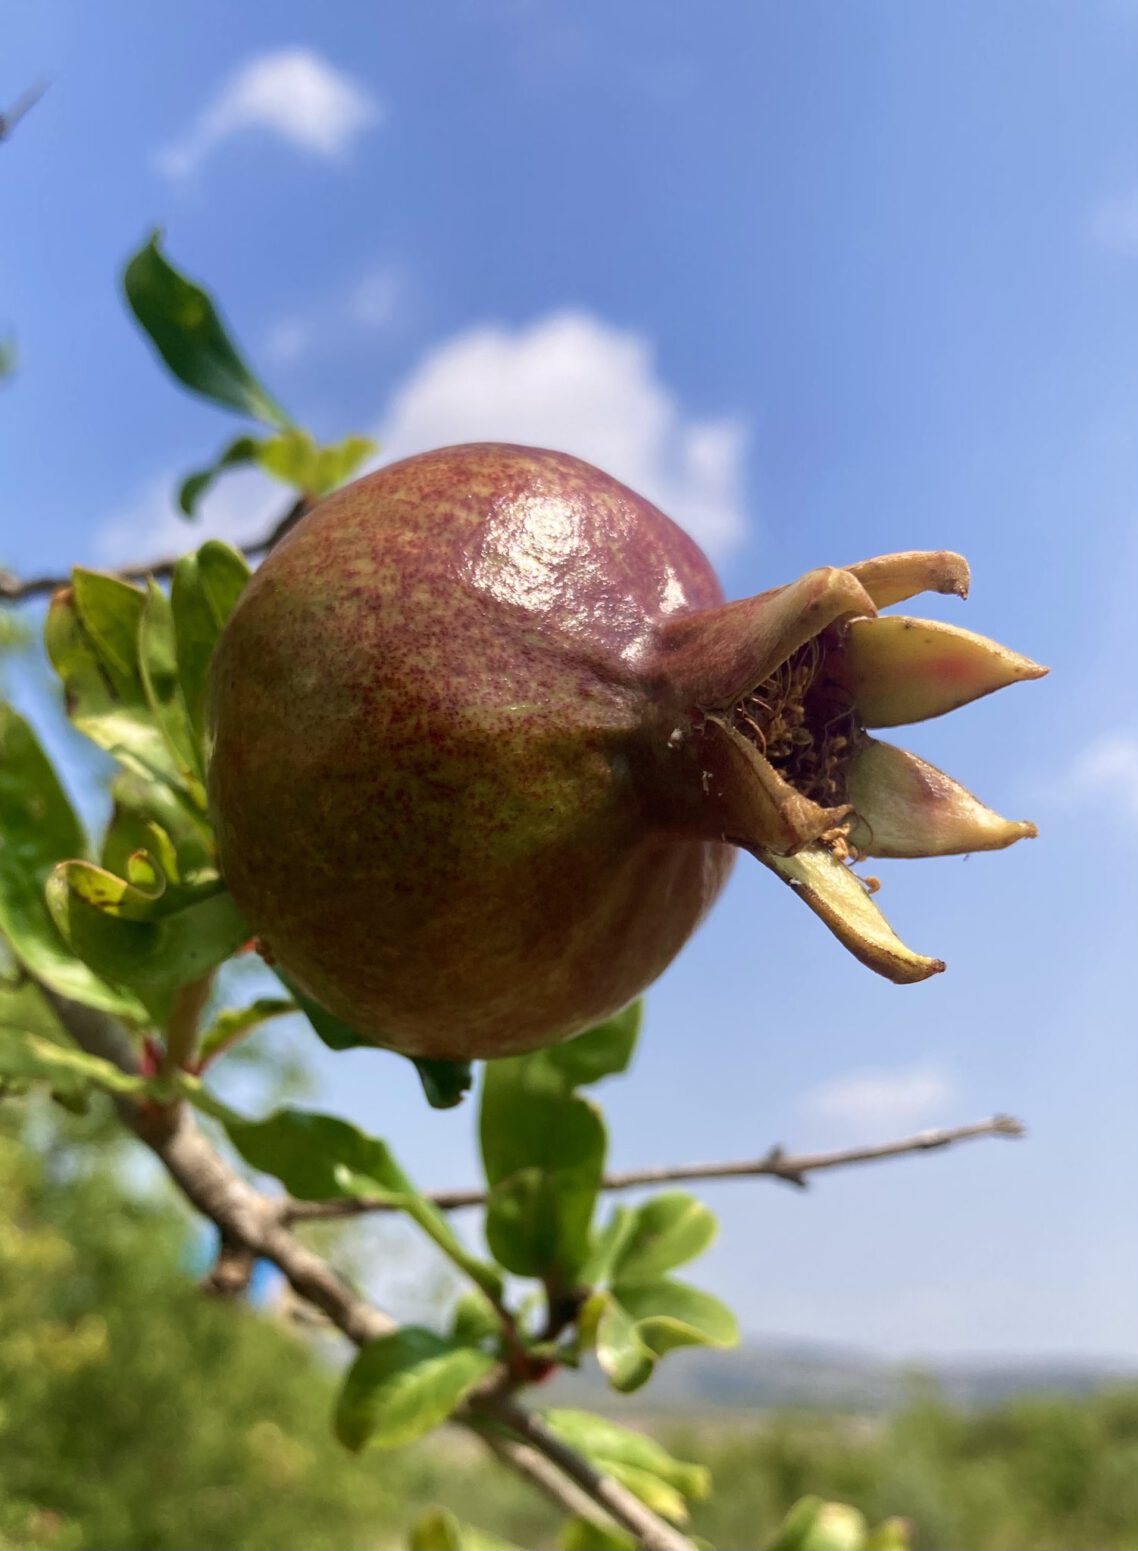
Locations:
437 746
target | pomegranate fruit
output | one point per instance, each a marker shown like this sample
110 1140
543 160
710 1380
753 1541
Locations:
485 739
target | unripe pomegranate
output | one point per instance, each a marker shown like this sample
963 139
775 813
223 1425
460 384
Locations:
485 739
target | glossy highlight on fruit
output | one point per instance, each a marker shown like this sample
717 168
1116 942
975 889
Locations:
485 739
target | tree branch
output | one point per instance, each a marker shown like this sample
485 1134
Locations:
13 589
9 120
247 1218
562 1493
776 1164
572 1483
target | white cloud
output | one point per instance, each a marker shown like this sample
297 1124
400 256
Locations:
571 382
374 299
1107 767
239 508
292 93
880 1102
1114 224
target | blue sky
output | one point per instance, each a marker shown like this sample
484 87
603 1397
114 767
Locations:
824 282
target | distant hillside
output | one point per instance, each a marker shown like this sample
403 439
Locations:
766 1375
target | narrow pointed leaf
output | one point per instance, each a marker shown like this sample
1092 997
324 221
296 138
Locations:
838 897
902 670
234 1023
26 1057
203 592
403 1385
905 807
185 329
241 451
158 666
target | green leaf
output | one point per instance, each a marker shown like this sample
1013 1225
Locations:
623 1356
894 1534
656 1494
583 1535
545 1181
27 1057
111 611
204 590
148 816
185 329
602 1051
439 1530
445 1083
474 1320
151 958
330 1029
639 1322
297 459
612 1447
320 1156
669 1314
308 1151
814 1525
91 635
543 1148
158 666
242 450
110 893
403 1385
666 1232
606 1246
26 1014
233 1023
37 829
23 1007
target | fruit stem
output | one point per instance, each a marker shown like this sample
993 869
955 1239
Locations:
183 1024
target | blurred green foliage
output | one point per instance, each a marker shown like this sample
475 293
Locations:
136 1413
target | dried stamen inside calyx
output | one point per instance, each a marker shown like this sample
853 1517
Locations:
805 725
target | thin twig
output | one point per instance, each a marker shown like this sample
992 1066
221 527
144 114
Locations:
15 113
562 1492
651 1530
776 1164
245 1216
13 589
